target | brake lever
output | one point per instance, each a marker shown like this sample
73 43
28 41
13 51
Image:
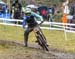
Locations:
41 22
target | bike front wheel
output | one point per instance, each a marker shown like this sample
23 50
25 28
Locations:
42 42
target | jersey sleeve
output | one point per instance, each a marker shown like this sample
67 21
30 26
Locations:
24 22
37 16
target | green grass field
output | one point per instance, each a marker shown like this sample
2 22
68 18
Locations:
56 39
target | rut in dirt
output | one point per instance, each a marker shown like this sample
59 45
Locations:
53 52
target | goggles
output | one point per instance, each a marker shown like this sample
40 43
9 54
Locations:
28 14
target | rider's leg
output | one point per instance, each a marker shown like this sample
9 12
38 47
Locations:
26 34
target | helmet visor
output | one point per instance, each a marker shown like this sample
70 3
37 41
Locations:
27 14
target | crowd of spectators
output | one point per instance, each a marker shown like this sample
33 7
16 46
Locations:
16 10
48 13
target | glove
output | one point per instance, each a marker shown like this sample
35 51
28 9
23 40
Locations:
41 22
23 27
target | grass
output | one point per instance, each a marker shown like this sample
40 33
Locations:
56 39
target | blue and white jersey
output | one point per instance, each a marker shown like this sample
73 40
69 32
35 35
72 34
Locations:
30 20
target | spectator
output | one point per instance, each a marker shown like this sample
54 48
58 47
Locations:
51 12
65 7
43 10
0 8
72 9
17 9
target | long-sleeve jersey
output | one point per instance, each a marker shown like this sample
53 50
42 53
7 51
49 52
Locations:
30 20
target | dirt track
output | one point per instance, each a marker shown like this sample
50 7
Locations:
16 50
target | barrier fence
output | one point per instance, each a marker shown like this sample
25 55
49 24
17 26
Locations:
46 25
51 25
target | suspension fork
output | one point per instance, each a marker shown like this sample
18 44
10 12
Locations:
42 34
35 32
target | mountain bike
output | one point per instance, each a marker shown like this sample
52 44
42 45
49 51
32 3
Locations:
41 40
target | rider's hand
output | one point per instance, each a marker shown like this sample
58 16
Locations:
23 27
41 22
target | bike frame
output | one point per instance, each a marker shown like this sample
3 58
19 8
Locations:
41 38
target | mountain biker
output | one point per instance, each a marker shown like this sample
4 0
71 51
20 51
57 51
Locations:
29 19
